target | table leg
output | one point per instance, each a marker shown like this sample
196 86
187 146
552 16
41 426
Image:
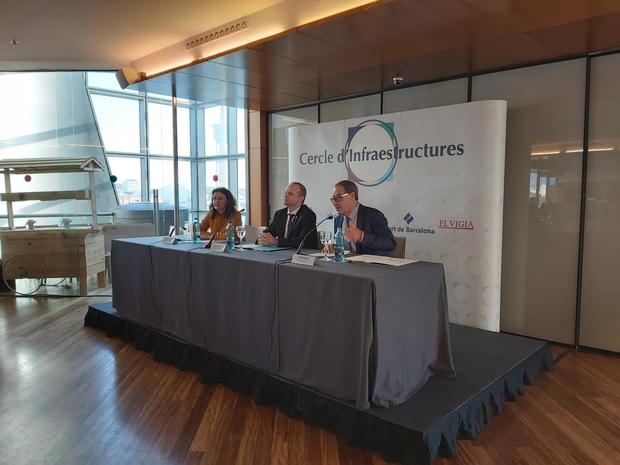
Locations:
101 279
83 285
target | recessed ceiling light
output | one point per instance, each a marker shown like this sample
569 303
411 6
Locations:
13 42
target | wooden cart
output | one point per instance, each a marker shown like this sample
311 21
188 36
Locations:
52 252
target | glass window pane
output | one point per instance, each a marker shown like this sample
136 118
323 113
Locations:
160 129
425 96
119 122
45 115
46 182
241 183
351 108
183 133
541 232
216 134
129 178
600 314
159 96
216 175
106 80
161 176
151 95
278 148
241 129
533 185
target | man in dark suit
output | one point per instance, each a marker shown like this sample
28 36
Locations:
365 229
291 224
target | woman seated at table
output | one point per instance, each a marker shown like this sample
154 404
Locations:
223 207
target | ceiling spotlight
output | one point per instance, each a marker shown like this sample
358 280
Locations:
398 80
13 42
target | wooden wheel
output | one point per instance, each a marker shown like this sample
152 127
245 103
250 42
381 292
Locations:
21 274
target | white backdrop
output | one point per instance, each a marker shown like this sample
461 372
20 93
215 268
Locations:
443 190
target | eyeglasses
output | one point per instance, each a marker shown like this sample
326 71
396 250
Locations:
338 198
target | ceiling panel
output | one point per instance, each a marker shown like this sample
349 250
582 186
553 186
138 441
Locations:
570 39
531 15
422 40
505 51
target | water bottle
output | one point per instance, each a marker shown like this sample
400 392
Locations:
339 246
230 236
196 232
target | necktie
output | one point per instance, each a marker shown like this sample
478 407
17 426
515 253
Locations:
289 220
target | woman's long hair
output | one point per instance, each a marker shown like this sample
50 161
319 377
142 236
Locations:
231 203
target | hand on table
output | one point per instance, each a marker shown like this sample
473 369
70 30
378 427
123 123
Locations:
267 239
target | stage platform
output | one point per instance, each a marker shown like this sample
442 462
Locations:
491 368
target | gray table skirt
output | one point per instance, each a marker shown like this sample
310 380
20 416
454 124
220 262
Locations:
358 332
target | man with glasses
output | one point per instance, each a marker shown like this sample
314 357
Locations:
365 229
291 224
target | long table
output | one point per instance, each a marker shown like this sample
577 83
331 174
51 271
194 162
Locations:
366 334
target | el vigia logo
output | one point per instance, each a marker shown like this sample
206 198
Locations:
456 224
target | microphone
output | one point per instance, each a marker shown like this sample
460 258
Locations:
208 244
173 230
301 244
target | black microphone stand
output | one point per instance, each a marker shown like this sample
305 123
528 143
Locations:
301 244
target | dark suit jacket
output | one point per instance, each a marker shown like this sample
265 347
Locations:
378 237
301 224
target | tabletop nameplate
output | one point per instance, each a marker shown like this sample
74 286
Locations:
219 247
299 259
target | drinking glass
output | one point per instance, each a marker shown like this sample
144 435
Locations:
241 233
326 238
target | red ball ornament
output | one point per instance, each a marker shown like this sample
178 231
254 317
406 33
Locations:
215 177
28 178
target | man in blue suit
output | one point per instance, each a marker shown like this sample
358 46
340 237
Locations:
365 229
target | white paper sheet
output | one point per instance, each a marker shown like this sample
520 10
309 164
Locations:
381 260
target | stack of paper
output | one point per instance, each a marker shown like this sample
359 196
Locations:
381 260
263 248
330 254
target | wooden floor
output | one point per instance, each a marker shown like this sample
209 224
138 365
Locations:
72 396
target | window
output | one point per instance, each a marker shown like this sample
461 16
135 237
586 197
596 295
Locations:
49 115
216 131
108 81
160 129
136 129
216 175
129 178
541 235
119 122
242 197
241 133
162 178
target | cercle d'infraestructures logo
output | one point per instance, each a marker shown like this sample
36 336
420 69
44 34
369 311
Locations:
370 158
390 154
